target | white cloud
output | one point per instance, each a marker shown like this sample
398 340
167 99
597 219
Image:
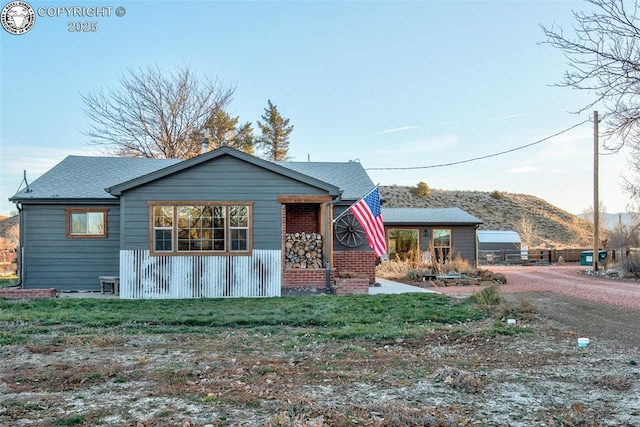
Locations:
400 129
512 116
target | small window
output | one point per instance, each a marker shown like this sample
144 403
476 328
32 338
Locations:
441 243
163 228
86 223
239 228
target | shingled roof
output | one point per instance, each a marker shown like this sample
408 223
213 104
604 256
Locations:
88 178
416 216
349 176
82 177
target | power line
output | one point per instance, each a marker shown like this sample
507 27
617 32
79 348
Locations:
487 156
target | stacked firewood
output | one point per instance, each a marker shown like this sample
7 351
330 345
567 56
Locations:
303 250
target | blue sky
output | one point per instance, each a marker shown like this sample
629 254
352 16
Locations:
389 83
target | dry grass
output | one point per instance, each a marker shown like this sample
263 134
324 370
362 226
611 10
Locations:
414 266
459 379
614 382
458 374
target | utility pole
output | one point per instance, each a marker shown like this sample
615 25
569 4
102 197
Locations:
596 201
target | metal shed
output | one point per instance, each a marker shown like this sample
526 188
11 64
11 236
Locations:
499 246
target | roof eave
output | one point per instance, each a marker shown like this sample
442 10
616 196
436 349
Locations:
429 223
117 190
65 200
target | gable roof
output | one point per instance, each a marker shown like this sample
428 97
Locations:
427 216
116 190
89 178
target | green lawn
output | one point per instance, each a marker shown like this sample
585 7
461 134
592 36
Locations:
7 281
368 317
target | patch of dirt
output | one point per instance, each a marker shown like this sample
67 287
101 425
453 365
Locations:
569 295
479 373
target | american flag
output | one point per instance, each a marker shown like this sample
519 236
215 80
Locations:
367 212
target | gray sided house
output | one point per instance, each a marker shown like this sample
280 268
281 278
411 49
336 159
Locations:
436 232
221 224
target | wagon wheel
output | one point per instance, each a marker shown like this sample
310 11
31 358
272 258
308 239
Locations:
348 231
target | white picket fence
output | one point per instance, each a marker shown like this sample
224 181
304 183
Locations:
173 277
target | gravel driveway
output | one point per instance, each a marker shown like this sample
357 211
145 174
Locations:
590 305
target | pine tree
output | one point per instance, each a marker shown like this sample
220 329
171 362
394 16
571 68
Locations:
222 130
274 140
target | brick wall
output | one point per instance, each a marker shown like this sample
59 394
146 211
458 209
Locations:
17 293
302 217
301 277
351 286
358 262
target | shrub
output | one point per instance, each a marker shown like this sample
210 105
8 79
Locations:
458 264
631 267
414 267
420 190
497 194
488 297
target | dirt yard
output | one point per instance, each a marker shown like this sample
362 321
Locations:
593 306
455 376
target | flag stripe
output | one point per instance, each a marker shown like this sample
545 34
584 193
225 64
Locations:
367 212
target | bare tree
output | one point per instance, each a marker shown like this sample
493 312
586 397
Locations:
603 58
152 114
626 235
587 214
526 228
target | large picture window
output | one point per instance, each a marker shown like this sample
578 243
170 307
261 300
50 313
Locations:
403 243
86 223
198 227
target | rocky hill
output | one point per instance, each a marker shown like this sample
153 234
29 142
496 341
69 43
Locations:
543 224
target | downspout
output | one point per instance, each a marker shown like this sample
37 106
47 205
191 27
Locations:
20 253
328 223
476 261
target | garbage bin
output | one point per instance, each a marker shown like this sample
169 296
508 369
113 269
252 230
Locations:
586 257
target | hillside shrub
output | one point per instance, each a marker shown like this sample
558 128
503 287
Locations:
488 297
631 267
497 194
420 190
